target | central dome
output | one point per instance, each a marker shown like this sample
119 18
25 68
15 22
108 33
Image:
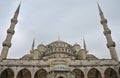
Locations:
59 44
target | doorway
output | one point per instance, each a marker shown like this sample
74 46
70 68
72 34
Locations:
60 77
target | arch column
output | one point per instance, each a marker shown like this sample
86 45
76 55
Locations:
32 75
85 75
102 73
103 76
15 74
118 74
85 71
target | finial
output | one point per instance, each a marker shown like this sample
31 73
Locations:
58 38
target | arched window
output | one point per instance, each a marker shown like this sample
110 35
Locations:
24 73
110 73
94 73
7 73
41 74
78 73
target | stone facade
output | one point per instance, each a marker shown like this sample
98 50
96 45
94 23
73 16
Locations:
59 59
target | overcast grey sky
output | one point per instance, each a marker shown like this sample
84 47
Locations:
45 20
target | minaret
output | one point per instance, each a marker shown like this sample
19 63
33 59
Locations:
10 32
107 33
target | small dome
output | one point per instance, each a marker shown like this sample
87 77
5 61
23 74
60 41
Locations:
76 47
27 56
91 57
76 44
41 45
41 48
61 67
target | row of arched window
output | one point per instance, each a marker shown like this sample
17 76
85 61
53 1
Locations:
93 73
60 50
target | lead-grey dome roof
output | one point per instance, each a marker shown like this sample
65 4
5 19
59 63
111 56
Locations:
91 56
27 56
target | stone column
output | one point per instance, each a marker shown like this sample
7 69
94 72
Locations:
15 74
103 76
86 76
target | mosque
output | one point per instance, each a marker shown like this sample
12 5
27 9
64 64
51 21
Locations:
59 59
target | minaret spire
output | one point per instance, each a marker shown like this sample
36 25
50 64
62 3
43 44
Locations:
100 10
84 44
10 33
107 33
33 44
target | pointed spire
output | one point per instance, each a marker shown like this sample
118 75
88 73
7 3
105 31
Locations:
17 10
100 10
84 43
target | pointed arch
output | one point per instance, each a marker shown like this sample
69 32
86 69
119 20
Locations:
41 73
24 73
78 73
7 73
94 73
110 73
60 77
